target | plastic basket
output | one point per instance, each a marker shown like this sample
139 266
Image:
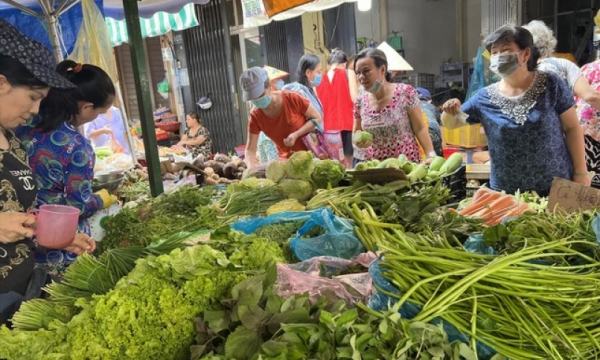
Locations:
457 183
468 136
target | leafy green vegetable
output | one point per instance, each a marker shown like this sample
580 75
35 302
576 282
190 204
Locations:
300 190
275 171
258 324
300 166
328 173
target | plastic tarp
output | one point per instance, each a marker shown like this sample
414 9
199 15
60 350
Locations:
36 28
256 15
70 21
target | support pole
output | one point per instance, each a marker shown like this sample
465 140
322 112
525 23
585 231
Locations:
142 90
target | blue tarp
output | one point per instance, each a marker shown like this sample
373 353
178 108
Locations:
37 28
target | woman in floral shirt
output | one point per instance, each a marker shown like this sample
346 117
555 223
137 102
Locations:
589 119
390 112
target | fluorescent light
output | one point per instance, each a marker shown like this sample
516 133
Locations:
364 5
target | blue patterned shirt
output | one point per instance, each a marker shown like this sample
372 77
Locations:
526 142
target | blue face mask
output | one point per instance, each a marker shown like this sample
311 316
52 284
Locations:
317 80
279 84
262 102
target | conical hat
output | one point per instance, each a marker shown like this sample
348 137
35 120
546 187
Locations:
395 61
275 73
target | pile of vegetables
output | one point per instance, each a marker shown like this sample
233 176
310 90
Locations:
149 313
301 173
221 169
516 304
493 206
151 220
256 323
438 168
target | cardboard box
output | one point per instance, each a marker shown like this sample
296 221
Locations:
571 196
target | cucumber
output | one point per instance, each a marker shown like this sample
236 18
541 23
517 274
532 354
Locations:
436 163
418 172
452 164
362 166
391 162
433 174
407 168
403 159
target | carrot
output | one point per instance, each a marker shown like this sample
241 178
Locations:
497 217
483 201
520 209
480 192
501 204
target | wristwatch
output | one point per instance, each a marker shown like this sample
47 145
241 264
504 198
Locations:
431 154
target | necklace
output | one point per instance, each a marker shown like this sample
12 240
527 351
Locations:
518 107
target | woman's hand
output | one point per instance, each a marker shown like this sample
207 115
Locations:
452 106
583 179
364 144
290 140
82 244
15 226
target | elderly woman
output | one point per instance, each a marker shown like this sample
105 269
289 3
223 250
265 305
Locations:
545 42
309 77
528 116
25 79
390 112
284 116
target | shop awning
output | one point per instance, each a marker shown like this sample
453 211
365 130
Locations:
159 24
256 15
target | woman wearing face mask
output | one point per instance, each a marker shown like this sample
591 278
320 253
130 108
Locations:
528 116
61 157
390 112
284 116
267 150
309 76
26 75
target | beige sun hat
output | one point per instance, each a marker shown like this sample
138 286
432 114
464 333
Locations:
395 61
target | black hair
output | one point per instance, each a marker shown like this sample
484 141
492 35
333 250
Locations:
520 36
17 74
93 85
378 57
337 56
307 62
194 116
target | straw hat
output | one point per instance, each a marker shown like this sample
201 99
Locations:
275 74
395 61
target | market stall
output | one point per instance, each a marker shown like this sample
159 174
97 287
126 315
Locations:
302 259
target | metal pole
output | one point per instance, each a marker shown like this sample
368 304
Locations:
54 39
142 90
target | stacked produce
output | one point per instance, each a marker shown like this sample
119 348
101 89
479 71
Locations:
498 278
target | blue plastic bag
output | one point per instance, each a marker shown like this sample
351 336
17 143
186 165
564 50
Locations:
380 301
339 239
477 80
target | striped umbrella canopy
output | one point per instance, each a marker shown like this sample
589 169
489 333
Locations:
159 24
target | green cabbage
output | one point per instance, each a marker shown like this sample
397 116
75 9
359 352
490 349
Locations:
275 171
249 184
300 190
328 172
299 166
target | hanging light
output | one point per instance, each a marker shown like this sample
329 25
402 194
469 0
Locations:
364 5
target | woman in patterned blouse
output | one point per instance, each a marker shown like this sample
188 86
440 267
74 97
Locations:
61 157
529 118
196 137
26 75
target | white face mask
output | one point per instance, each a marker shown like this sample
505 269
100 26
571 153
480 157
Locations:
505 64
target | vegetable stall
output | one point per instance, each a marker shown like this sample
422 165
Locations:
305 260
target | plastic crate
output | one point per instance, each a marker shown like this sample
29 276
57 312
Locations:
457 183
423 80
468 136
